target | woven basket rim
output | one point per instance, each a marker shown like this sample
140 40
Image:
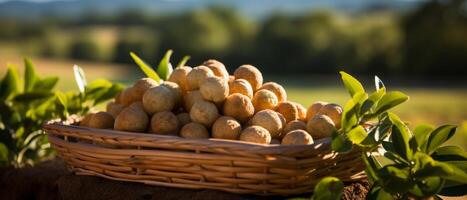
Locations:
319 145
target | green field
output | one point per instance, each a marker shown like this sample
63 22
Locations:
432 105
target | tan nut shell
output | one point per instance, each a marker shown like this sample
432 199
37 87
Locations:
314 109
132 118
214 89
101 120
269 120
85 120
241 86
165 123
194 131
264 99
295 125
114 108
297 137
191 98
179 75
301 111
226 128
288 109
176 90
277 89
197 76
217 68
158 99
204 112
239 107
320 126
251 74
334 112
256 134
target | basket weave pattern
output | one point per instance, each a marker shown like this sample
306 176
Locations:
231 166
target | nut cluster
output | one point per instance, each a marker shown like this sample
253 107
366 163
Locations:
206 102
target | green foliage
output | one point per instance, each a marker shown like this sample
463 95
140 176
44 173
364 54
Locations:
24 108
164 69
328 188
419 165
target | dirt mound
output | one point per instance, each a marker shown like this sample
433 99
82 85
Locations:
51 180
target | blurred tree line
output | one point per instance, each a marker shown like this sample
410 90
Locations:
430 41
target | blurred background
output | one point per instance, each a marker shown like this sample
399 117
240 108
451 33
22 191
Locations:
416 46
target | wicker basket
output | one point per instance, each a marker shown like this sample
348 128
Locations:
231 166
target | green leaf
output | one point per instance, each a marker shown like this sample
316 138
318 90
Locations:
80 78
349 117
10 83
360 137
46 84
400 137
183 61
428 186
164 69
390 100
340 143
145 68
32 96
328 188
3 153
371 167
395 179
29 75
352 84
421 135
439 136
449 153
372 101
377 193
426 166
109 94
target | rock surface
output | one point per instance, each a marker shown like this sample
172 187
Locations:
51 180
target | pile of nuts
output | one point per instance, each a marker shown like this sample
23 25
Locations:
206 102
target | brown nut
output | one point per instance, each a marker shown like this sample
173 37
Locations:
241 86
334 112
176 90
165 123
217 68
194 131
269 120
184 118
114 108
197 76
251 74
204 112
214 89
301 111
264 99
191 98
297 137
179 75
101 120
288 110
132 118
277 89
320 126
295 125
239 107
226 128
158 99
85 120
256 134
314 109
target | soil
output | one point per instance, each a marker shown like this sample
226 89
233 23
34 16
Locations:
51 180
